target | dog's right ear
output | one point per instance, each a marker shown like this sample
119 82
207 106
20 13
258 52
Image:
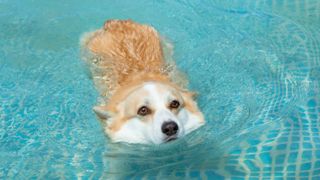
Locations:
102 112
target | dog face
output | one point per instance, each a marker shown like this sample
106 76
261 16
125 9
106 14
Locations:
151 113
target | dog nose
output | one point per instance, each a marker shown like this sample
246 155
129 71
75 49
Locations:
169 128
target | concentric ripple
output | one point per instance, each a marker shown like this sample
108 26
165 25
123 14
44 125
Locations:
255 65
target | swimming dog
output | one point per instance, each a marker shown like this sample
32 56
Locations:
144 97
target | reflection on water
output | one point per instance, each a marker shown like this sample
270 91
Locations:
254 64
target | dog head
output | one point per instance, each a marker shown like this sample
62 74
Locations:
152 112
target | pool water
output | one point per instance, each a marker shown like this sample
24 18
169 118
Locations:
255 65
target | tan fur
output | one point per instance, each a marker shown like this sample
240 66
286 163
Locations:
128 48
185 97
130 54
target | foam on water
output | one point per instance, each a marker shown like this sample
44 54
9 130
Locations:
255 64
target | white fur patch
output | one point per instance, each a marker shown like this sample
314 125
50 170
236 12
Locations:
189 120
136 130
133 131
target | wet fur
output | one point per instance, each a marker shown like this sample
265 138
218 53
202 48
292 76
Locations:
124 56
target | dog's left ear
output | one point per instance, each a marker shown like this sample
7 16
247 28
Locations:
102 112
190 94
193 95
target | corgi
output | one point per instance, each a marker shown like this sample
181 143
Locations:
144 97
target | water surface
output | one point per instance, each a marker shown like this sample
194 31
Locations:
255 64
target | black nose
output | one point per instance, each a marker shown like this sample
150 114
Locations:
169 128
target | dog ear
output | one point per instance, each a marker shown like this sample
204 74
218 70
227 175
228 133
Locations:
193 94
186 93
102 112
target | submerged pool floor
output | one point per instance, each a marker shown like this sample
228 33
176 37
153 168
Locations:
255 65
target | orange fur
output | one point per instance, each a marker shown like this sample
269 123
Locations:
128 48
184 97
133 54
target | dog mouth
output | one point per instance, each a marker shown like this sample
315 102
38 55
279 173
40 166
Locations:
170 138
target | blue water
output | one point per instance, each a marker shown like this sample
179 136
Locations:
255 64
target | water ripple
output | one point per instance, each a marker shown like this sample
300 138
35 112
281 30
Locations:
255 64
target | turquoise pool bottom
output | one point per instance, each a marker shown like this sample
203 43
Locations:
255 66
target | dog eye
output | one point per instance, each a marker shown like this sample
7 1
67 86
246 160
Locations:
144 110
174 104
